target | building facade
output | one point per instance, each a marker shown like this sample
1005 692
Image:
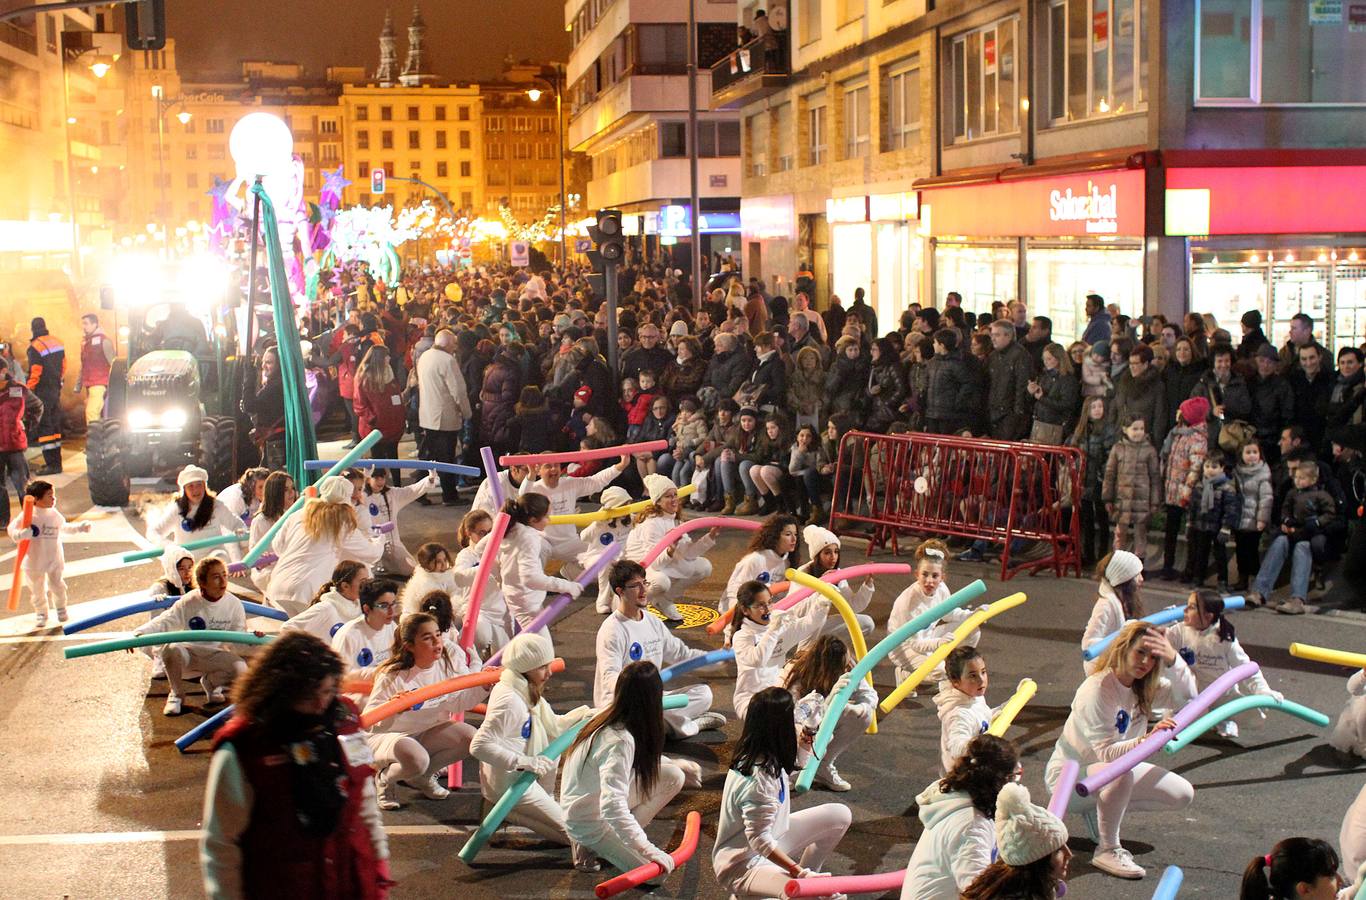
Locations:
523 137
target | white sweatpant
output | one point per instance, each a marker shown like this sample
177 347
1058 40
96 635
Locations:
415 756
565 545
811 835
667 583
536 809
43 583
607 844
218 667
680 721
847 730
834 624
1145 787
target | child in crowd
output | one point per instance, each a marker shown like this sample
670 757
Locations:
1216 515
601 535
636 404
736 450
658 426
1121 576
811 466
434 572
926 591
45 561
687 436
1183 451
579 416
1095 372
1095 436
1253 479
723 432
1306 514
1204 638
1132 485
533 420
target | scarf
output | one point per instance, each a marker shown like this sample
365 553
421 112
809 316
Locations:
317 774
545 725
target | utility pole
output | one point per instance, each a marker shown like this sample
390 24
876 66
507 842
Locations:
696 215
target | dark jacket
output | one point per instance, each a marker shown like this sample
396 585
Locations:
727 371
1311 403
680 381
1061 400
1309 512
1235 397
1273 407
1008 402
1344 402
846 384
952 392
1181 380
1144 397
656 359
884 406
1250 344
1219 507
1096 442
1098 329
770 374
497 400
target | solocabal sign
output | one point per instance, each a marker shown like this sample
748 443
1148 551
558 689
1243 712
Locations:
1095 203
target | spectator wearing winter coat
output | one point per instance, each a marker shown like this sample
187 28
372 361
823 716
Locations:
1057 396
688 435
1133 487
847 378
1215 515
1254 338
379 404
1182 372
443 406
685 373
533 421
951 390
1312 385
766 385
497 403
1095 435
1252 476
1345 397
1140 393
886 387
1273 401
17 404
1095 372
863 312
650 353
1009 371
806 388
1183 452
1226 390
593 372
1098 321
727 368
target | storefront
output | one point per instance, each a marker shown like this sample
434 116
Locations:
875 244
1049 241
768 230
1279 239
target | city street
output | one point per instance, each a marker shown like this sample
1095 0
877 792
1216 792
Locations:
98 802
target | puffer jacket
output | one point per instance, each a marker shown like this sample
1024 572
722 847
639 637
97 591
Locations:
884 406
498 401
1273 407
1096 441
1061 400
727 371
806 385
1144 397
1219 506
846 384
689 435
1132 481
1184 451
952 392
1254 489
720 437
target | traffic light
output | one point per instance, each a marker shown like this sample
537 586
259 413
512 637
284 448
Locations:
377 177
146 24
606 235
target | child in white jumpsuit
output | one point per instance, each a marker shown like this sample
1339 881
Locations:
366 642
207 608
1110 715
313 541
927 591
518 725
495 621
1119 600
631 634
522 556
962 705
243 497
194 513
823 546
813 677
616 779
771 551
433 573
45 560
413 745
760 843
762 636
336 603
384 504
599 536
510 479
681 566
564 492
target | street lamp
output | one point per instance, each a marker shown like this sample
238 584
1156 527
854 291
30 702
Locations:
556 81
163 107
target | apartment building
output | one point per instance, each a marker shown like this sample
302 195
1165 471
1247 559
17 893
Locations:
522 136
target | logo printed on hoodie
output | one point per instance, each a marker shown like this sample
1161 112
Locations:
335 629
364 657
635 652
526 729
197 623
606 538
1188 655
765 577
1122 721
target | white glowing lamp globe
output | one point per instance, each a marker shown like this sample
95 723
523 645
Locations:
260 144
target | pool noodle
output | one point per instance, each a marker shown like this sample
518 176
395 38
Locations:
694 525
540 459
692 830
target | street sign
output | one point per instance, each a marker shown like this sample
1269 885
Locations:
582 245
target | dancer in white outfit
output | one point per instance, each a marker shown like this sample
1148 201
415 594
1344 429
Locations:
616 779
313 541
432 573
812 677
1349 734
760 843
564 493
511 480
279 495
631 634
495 621
599 536
1207 642
1110 715
928 590
962 705
762 636
193 513
771 551
1032 854
415 744
1120 600
518 725
46 560
336 603
522 556
823 546
366 642
243 497
384 504
682 565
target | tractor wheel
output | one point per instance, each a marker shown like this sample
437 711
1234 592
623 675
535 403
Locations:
116 394
218 450
106 473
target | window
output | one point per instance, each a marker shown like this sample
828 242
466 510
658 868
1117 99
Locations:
441 170
386 113
363 169
362 113
441 113
213 126
848 11
464 140
545 150
328 153
466 200
494 123
661 48
362 139
902 96
756 128
415 165
495 151
982 93
191 151
465 169
521 123
783 138
386 140
441 140
496 177
545 124
463 113
189 128
521 177
521 150
856 134
809 18
414 114
1095 58
217 151
815 129
192 180
1279 51
414 140
327 126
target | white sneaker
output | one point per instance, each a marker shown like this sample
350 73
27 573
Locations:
173 706
430 789
62 615
829 778
1118 862
1228 728
710 721
387 792
218 696
40 620
668 610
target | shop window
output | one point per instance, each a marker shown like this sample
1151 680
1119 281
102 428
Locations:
982 93
1059 278
815 129
856 125
1096 64
980 273
1278 51
901 93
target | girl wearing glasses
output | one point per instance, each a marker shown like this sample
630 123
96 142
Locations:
365 642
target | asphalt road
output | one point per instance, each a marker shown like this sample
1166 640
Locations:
98 803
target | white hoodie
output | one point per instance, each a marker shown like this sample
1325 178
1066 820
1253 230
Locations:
361 647
429 713
952 851
1107 617
422 582
169 526
493 606
305 564
385 507
595 791
911 654
194 613
1210 657
757 565
326 617
961 718
761 650
521 562
754 814
45 553
564 499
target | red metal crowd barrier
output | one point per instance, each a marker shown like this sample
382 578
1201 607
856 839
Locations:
887 485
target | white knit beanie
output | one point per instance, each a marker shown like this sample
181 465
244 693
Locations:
614 497
335 489
658 485
528 650
817 539
1124 566
1025 833
191 474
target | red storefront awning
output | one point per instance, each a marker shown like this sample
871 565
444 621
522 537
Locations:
1108 202
1285 199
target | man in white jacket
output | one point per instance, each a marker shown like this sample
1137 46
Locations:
631 634
209 607
442 406
564 492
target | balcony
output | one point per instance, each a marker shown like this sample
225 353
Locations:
752 72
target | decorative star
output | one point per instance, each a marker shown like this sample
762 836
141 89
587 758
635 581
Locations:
335 181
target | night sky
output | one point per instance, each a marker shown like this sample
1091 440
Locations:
466 39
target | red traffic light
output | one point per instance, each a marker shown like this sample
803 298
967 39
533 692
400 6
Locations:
377 178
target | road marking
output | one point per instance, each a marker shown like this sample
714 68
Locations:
87 838
81 636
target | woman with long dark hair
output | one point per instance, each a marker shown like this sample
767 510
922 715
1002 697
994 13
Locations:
1297 868
812 677
289 807
336 603
760 843
762 637
277 496
193 514
1032 854
522 557
772 549
615 779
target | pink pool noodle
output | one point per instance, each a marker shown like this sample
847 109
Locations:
537 459
1067 782
834 576
1155 741
694 525
845 884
